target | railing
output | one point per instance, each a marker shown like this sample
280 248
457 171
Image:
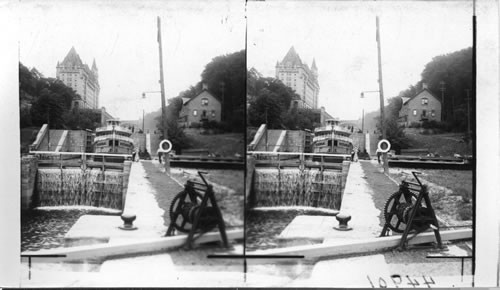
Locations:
81 160
301 160
30 256
284 148
39 137
111 136
330 128
69 149
110 128
329 137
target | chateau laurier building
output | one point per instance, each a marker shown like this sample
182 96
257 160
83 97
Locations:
78 76
302 79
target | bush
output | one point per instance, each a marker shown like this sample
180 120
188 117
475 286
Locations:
414 125
195 125
225 127
429 124
465 194
465 213
444 126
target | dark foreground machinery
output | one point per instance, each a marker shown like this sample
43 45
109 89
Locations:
194 211
409 211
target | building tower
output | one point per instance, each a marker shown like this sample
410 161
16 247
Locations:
299 77
78 76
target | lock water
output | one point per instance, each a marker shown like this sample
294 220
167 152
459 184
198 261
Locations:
45 228
264 226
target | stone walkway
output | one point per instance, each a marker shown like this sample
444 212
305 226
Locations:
380 185
358 201
366 192
140 200
149 195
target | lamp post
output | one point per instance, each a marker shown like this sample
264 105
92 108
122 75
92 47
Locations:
363 118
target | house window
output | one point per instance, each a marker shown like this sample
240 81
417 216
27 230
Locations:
213 113
195 112
425 101
204 102
414 112
433 113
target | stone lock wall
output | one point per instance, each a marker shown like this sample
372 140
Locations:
29 167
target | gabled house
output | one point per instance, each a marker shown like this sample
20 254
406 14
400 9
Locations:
202 108
424 106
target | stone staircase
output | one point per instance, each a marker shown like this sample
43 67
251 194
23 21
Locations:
274 141
54 136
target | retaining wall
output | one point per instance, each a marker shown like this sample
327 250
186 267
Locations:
29 167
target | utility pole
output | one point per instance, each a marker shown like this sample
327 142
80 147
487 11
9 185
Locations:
381 91
363 117
267 128
222 88
468 112
48 127
442 88
163 108
363 129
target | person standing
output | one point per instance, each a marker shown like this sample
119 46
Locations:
379 154
136 159
134 152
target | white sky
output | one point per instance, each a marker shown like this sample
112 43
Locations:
121 36
341 36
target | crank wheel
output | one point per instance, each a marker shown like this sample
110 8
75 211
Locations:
180 207
395 208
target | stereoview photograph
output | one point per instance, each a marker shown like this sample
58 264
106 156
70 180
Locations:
132 143
360 143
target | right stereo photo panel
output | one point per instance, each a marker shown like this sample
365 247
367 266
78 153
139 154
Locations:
360 144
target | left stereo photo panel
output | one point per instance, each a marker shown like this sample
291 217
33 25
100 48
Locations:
132 143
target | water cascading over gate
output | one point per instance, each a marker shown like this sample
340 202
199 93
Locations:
91 187
295 187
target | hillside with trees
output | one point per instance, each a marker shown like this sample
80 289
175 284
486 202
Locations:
448 77
270 102
48 101
225 78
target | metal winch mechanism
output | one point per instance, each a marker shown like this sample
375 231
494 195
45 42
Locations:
195 211
409 211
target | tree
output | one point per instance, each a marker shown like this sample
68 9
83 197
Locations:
301 119
48 108
394 133
81 119
43 100
280 112
455 70
175 134
225 76
265 109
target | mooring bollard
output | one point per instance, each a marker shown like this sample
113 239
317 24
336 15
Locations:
343 218
128 220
